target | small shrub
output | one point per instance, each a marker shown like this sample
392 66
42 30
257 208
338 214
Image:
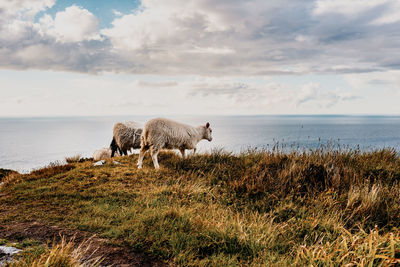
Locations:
51 170
64 253
5 172
73 159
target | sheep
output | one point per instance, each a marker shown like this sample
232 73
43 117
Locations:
102 153
163 133
125 137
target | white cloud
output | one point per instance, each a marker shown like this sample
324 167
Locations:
267 96
385 10
74 24
307 93
392 14
156 84
211 50
203 37
116 13
144 28
41 93
25 9
38 53
311 93
344 6
388 79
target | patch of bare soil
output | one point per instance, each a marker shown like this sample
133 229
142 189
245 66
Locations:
112 255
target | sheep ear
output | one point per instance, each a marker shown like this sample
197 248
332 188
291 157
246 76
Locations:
207 124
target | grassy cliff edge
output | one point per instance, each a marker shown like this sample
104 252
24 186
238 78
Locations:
6 172
322 207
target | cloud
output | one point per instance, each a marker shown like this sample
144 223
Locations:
26 9
388 79
156 84
203 37
390 16
345 7
223 87
68 41
385 10
268 95
211 50
74 24
312 93
117 13
307 93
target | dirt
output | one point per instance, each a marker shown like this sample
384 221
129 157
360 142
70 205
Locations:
112 255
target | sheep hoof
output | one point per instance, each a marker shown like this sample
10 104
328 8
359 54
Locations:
139 167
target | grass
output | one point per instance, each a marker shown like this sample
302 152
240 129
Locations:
64 253
5 172
73 159
321 207
31 251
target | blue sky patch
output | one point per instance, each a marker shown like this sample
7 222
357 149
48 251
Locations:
102 9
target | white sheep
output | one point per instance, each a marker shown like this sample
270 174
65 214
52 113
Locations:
163 133
126 135
102 153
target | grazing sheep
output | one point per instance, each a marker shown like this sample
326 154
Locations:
163 133
125 137
102 153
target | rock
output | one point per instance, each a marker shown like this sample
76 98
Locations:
99 163
6 253
9 250
102 162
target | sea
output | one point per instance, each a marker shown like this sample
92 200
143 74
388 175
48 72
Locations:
31 143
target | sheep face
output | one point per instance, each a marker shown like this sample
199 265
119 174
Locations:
207 132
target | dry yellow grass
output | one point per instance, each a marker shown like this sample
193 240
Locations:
324 207
62 254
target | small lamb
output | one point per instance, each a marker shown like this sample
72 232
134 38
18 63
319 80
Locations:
103 153
163 133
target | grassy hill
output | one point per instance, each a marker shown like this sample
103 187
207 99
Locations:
5 172
257 208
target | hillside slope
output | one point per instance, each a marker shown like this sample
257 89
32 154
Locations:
321 207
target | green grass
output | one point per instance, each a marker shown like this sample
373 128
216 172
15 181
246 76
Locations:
323 207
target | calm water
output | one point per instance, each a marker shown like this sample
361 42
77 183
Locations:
27 143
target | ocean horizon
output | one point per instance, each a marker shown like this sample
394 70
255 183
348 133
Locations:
32 142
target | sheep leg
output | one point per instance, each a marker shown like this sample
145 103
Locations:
182 152
114 147
143 151
154 153
194 151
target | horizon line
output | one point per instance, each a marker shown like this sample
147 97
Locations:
200 115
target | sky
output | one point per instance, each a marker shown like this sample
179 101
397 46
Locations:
199 57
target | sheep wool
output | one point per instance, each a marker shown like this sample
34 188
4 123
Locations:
103 153
163 133
126 136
